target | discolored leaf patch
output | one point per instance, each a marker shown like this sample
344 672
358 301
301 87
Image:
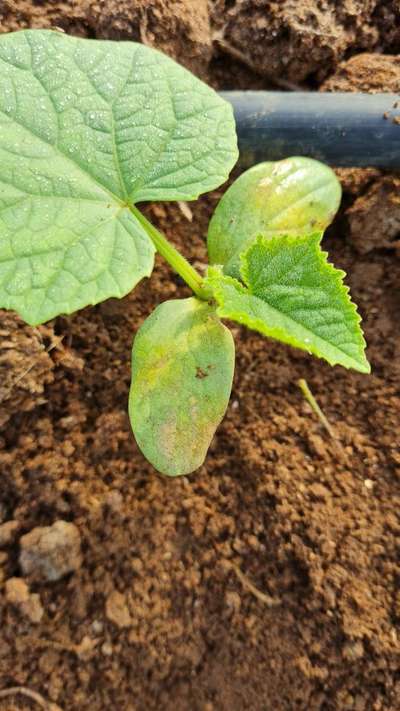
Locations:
295 196
182 370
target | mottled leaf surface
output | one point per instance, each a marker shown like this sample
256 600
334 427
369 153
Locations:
295 196
294 295
87 129
182 370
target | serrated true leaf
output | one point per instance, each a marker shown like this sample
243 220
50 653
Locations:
294 295
182 370
87 129
295 196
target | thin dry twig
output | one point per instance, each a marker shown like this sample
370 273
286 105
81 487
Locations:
303 385
239 56
185 210
143 26
33 695
263 597
81 650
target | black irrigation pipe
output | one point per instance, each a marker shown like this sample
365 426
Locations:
355 130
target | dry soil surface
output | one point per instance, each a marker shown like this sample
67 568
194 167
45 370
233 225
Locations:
268 580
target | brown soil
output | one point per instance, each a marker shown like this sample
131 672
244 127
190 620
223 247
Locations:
299 40
374 216
157 614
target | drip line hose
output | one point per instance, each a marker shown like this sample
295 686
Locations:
341 129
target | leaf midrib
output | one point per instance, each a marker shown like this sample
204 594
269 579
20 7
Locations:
65 248
107 193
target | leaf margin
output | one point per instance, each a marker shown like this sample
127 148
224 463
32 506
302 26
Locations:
217 280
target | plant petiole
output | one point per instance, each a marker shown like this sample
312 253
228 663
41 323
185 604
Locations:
174 258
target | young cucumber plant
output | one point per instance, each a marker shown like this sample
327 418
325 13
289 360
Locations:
89 129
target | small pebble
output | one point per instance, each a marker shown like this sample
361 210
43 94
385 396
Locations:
48 553
97 626
106 649
353 650
19 595
117 610
7 532
233 600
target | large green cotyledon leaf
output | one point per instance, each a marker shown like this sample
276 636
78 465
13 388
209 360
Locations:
295 196
182 370
87 129
293 294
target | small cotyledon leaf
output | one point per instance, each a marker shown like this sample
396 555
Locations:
295 196
88 128
182 370
291 293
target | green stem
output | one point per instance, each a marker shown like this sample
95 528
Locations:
173 257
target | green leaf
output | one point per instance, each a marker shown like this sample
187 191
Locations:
295 196
294 295
182 370
87 129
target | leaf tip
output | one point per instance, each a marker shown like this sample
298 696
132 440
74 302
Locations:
364 366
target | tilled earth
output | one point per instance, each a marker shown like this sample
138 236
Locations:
268 580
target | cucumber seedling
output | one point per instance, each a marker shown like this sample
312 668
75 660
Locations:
89 129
